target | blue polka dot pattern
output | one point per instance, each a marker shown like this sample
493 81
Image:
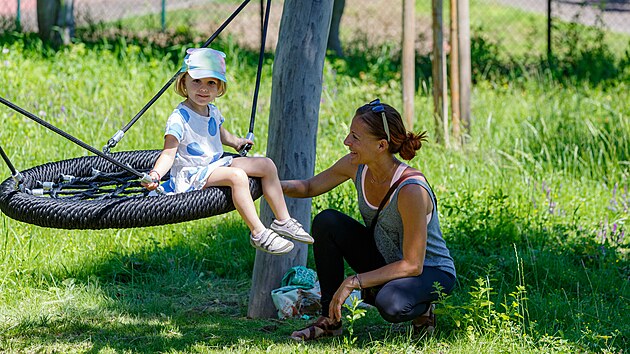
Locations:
212 126
202 174
184 114
194 149
199 147
169 186
176 130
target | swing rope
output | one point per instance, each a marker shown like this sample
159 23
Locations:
113 141
100 206
15 174
70 137
101 185
116 138
263 39
91 192
8 162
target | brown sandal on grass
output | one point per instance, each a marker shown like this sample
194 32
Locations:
318 329
425 324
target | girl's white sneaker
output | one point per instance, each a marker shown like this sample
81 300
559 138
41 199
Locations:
270 242
293 230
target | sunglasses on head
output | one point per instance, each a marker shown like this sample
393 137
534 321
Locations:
377 107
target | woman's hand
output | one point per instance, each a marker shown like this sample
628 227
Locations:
342 293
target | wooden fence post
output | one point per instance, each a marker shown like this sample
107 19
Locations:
454 61
408 62
465 79
439 74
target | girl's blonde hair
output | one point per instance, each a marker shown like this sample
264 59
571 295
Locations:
180 86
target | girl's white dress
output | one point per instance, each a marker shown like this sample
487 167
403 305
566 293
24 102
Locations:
199 151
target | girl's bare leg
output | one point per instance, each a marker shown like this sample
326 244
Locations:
264 168
237 179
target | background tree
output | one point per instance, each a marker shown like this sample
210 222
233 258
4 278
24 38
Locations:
55 20
293 118
334 43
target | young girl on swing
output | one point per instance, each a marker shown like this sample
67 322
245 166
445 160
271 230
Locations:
193 149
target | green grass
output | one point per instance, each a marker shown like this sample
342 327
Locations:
519 33
532 208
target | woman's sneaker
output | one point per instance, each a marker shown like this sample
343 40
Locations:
270 242
292 229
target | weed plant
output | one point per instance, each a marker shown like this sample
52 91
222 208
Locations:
534 209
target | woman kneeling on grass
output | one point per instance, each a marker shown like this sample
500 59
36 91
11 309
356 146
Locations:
398 259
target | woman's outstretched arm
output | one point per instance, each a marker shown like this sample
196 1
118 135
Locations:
321 183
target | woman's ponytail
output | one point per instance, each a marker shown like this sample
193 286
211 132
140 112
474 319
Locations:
411 144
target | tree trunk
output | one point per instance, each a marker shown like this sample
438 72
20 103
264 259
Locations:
439 74
46 17
334 43
292 135
409 62
454 65
55 20
465 81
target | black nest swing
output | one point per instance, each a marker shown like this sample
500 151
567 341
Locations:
114 197
104 191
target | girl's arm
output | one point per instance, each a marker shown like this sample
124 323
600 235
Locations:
413 200
321 183
164 162
233 141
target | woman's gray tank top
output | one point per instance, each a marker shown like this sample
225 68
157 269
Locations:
388 233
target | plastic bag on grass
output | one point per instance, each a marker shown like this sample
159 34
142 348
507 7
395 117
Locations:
299 295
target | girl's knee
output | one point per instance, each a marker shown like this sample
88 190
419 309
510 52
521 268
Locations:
269 167
262 167
238 177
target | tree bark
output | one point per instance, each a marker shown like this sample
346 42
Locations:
334 43
292 135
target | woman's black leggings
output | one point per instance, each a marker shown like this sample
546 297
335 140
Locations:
338 237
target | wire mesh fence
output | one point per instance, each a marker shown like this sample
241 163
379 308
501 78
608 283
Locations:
507 28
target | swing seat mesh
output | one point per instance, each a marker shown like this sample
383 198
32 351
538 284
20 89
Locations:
126 211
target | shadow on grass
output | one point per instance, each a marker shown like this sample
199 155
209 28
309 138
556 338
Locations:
161 300
193 293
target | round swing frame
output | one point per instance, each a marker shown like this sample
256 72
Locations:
114 213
